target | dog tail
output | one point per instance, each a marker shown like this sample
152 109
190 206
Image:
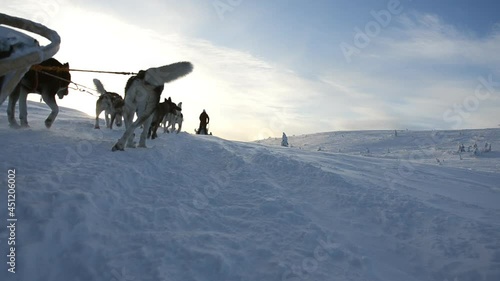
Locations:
99 87
169 73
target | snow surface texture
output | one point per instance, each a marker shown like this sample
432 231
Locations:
194 207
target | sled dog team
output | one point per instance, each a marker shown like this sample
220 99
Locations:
142 97
112 104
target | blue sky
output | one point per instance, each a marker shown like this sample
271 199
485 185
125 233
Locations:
264 67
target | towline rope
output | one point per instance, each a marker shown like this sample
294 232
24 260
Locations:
78 86
58 68
44 69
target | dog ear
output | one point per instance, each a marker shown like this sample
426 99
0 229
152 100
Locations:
141 74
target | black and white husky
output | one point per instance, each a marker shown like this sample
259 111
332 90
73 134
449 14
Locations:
173 118
112 105
142 95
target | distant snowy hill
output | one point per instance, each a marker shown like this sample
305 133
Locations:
411 146
357 206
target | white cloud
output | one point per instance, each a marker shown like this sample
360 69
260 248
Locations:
415 72
427 37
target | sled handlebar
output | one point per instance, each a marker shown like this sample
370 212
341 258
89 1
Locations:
20 61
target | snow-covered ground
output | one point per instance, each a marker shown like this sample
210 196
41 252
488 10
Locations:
359 206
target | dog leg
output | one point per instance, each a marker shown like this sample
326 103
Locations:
128 124
128 116
171 123
23 111
113 116
171 128
147 124
168 123
152 130
180 126
155 135
98 111
51 102
125 139
118 118
128 136
164 122
11 107
106 117
155 124
147 118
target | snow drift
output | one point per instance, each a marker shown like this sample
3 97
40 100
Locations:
333 206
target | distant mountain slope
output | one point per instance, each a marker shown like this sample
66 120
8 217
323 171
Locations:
415 146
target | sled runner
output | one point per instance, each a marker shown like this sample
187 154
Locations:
202 131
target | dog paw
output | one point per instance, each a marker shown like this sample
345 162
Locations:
48 123
118 146
14 126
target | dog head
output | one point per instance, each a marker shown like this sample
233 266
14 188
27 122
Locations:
64 82
118 104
